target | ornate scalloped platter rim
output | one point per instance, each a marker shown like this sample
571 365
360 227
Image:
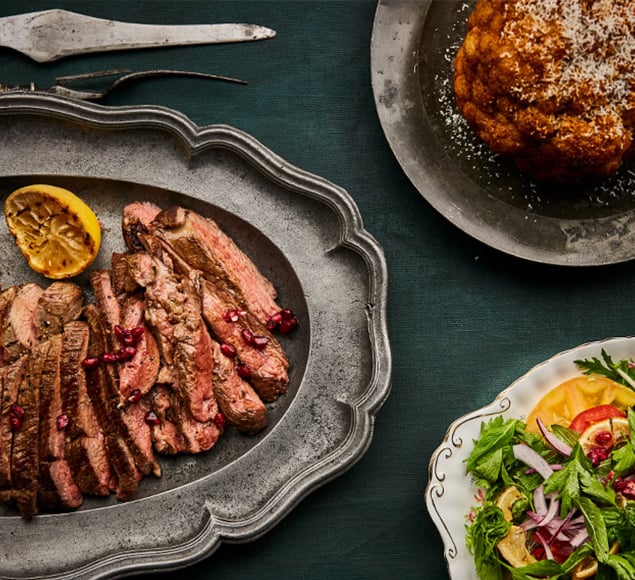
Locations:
450 494
116 155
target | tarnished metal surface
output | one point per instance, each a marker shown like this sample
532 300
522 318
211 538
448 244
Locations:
412 49
53 34
335 280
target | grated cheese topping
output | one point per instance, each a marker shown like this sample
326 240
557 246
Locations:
587 48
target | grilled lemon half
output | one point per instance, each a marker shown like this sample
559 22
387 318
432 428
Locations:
56 231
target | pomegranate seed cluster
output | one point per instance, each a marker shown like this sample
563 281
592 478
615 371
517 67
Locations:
283 322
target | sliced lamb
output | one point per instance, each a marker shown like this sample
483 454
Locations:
59 304
165 434
25 451
12 376
266 362
128 442
137 219
238 401
204 246
57 488
85 445
173 310
137 375
257 350
18 333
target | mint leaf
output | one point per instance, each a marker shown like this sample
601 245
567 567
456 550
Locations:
595 526
495 435
623 564
537 570
591 485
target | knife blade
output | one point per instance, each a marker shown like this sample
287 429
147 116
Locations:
49 35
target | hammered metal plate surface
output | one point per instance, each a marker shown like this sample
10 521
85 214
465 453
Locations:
335 280
412 49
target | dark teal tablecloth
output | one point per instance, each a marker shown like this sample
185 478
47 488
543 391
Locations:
464 320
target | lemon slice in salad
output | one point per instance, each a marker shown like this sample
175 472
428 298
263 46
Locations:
604 433
58 234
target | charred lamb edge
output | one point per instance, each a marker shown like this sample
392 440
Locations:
67 430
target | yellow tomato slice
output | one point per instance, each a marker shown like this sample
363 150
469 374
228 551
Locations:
564 402
58 234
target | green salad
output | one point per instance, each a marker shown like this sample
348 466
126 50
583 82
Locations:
555 504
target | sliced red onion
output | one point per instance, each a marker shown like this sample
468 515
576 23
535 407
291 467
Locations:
552 440
540 501
532 459
545 544
580 538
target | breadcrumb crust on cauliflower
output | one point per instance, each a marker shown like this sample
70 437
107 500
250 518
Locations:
551 84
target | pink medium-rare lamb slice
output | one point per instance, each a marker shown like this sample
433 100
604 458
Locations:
201 243
127 440
237 399
85 445
173 310
244 338
138 374
263 362
57 488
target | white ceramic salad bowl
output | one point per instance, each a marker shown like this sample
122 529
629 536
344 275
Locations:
450 493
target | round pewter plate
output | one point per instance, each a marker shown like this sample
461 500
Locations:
412 49
335 281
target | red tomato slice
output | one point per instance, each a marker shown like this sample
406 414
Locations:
594 415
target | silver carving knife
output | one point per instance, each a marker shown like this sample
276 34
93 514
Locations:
53 34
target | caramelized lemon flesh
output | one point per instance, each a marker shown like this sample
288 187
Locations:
58 234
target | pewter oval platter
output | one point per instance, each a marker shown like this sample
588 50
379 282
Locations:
305 234
412 48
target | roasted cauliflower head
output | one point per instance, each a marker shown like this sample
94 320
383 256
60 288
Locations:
550 84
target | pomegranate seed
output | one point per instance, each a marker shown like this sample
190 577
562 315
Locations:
62 422
109 357
219 420
126 353
16 410
152 419
120 332
130 340
228 350
90 362
273 322
288 325
603 438
286 314
248 336
137 331
15 422
233 315
260 342
243 371
135 396
597 455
